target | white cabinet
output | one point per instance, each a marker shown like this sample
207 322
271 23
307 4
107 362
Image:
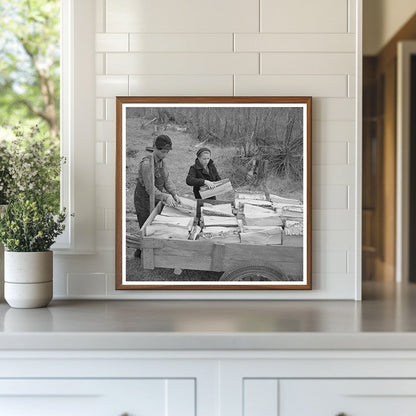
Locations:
349 397
86 397
207 383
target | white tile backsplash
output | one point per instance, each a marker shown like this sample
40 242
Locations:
99 109
105 130
323 130
181 85
311 85
100 15
100 156
182 63
351 86
294 42
300 16
184 47
307 63
110 109
327 241
331 109
330 197
100 64
182 16
105 175
86 284
335 219
181 42
330 153
335 262
112 42
111 86
333 174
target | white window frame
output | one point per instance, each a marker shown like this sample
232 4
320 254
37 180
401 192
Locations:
78 126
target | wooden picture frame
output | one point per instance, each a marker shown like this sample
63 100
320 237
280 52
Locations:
263 146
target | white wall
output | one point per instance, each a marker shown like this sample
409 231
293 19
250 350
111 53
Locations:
381 20
234 47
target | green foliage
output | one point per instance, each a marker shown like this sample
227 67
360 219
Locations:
5 175
29 224
30 164
30 63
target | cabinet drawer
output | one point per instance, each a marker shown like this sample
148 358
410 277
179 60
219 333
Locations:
349 397
86 397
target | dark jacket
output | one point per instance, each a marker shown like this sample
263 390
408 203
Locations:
197 175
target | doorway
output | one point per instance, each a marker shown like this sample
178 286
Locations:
406 167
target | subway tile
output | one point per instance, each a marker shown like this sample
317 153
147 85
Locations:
105 196
339 286
111 153
105 131
111 284
294 42
100 153
329 261
105 174
100 218
60 281
352 16
351 262
87 263
351 197
332 130
330 153
334 219
330 196
181 85
112 42
309 85
351 86
111 86
99 109
183 42
182 64
99 63
182 16
105 240
109 218
110 109
333 240
86 284
351 153
100 15
300 16
307 63
340 109
333 175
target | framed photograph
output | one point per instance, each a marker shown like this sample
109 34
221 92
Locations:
213 193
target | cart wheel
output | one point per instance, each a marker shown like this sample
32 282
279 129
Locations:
253 273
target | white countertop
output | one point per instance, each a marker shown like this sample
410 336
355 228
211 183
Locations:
384 320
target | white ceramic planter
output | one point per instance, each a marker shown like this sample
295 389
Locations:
28 278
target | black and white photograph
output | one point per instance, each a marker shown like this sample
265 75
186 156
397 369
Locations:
213 193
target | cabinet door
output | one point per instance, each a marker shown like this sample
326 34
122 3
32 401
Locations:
86 397
347 397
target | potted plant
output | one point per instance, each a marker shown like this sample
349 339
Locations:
29 186
28 228
5 180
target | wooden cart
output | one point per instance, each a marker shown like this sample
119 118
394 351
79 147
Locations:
238 261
